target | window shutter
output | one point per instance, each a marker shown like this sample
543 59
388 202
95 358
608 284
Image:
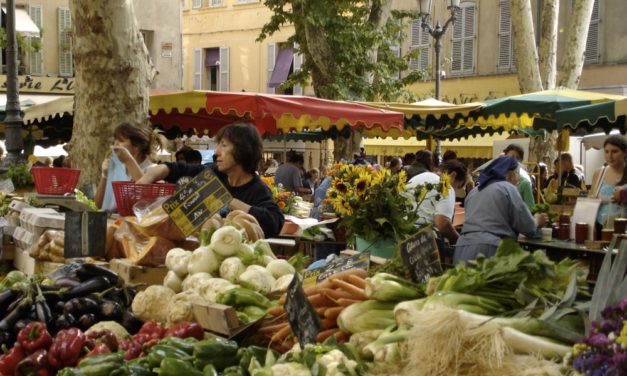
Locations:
592 55
197 85
196 4
419 40
65 42
463 40
505 58
35 58
271 61
224 69
298 61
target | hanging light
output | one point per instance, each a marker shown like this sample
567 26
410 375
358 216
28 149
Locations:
425 7
451 4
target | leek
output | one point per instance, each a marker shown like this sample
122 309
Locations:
386 287
366 315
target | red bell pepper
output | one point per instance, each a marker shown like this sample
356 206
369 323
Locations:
67 348
100 348
132 349
9 361
34 336
186 330
36 364
153 329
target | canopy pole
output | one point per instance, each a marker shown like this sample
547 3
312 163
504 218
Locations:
284 147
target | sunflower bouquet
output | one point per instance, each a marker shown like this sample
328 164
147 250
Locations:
377 204
284 199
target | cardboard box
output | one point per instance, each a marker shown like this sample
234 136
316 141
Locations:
219 318
135 274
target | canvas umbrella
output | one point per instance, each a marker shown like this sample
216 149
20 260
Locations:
588 118
208 111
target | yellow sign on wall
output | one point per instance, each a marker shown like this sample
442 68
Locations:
41 85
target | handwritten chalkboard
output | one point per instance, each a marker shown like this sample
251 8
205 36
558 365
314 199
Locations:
197 201
83 234
300 314
420 255
358 261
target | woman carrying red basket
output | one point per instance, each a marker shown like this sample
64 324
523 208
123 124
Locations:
237 155
132 152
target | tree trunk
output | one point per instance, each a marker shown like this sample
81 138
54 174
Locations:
526 53
548 43
380 13
112 77
572 61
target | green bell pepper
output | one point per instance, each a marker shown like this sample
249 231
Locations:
101 365
160 352
67 371
137 370
234 371
209 370
220 352
241 297
177 367
186 345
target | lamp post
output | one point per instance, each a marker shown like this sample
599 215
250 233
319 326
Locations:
437 32
13 119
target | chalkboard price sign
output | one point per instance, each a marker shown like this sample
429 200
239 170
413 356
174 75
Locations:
420 255
300 313
197 201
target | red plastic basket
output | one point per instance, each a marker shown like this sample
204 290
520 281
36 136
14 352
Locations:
128 193
55 180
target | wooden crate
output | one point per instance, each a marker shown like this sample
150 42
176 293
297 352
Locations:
219 318
28 265
134 274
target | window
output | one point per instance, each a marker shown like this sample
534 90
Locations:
419 41
197 84
247 1
196 4
593 52
271 61
463 40
298 62
215 3
212 69
506 41
35 58
65 42
224 69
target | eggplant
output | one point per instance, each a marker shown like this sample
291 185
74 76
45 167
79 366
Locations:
64 321
87 305
21 308
21 324
7 297
131 323
86 321
88 271
59 307
111 310
71 306
96 284
7 338
66 282
42 309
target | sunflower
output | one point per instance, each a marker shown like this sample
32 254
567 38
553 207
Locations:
445 180
281 204
362 183
422 193
340 186
342 207
402 180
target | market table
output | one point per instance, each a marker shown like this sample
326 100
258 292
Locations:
560 249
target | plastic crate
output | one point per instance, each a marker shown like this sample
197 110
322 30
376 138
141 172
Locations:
128 193
55 180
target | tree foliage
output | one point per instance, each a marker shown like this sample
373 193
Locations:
346 47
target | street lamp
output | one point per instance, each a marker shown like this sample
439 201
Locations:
437 32
13 119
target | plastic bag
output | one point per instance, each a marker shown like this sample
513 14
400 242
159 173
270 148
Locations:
115 172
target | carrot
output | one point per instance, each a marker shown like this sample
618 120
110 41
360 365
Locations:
328 324
321 310
333 312
347 302
342 337
281 333
276 310
324 284
318 300
356 280
323 335
335 294
354 290
354 271
271 329
311 290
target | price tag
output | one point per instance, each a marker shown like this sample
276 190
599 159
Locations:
420 255
300 313
197 201
315 276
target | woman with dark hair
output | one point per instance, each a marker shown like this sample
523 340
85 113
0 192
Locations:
608 179
238 153
131 154
494 211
